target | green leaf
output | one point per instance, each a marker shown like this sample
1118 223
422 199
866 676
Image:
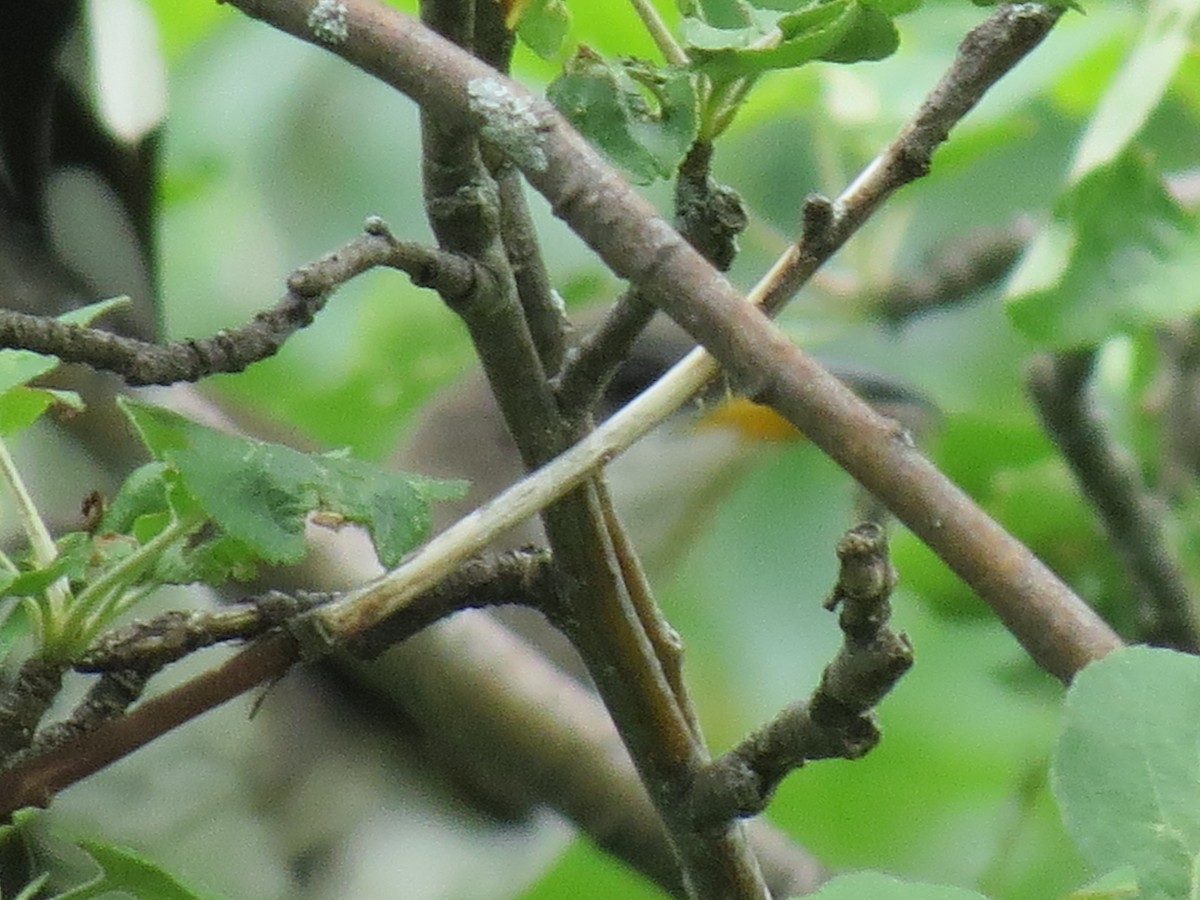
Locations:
1126 773
257 492
21 406
214 561
123 871
1119 254
894 7
611 106
1120 884
74 551
773 40
366 494
841 31
1139 85
543 25
33 890
260 494
699 36
143 492
884 887
872 36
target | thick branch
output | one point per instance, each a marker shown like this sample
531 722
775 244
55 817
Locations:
462 202
1060 632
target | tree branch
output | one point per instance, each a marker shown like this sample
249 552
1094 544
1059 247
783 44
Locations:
1112 486
600 619
836 721
547 150
956 271
710 216
1060 632
142 362
143 648
544 309
562 752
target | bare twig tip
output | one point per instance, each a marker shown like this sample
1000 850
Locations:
376 226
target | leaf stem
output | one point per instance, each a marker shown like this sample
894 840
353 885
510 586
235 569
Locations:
671 49
44 549
102 599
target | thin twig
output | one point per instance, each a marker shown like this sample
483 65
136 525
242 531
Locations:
837 720
956 271
544 310
710 216
523 576
671 50
142 362
1113 487
151 644
589 365
668 646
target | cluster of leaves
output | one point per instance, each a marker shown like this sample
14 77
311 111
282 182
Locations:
645 116
208 509
1092 273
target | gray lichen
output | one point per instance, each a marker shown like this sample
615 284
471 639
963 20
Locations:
510 121
328 21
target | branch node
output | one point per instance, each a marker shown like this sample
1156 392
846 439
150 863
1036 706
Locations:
314 640
818 218
510 121
837 721
377 227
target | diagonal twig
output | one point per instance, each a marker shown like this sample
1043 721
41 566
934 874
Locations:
1058 383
